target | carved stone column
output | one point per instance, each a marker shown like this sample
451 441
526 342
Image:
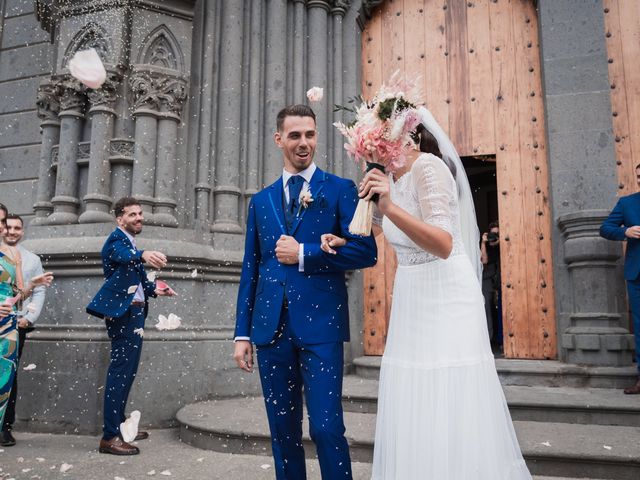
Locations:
173 93
48 103
146 106
65 202
338 11
595 335
318 55
299 34
227 172
98 198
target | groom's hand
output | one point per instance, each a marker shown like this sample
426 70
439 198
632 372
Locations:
287 249
243 355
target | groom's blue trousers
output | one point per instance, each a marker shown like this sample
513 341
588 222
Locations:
286 368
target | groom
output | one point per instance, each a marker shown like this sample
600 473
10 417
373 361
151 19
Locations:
292 300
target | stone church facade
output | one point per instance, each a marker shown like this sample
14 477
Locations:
185 122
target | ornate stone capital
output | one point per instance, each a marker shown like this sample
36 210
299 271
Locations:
107 94
340 7
366 10
73 94
159 91
48 100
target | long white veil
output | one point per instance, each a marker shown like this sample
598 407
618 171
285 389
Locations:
468 222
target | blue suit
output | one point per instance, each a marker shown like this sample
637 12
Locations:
626 214
123 270
299 320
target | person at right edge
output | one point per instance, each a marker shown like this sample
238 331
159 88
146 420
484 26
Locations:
623 224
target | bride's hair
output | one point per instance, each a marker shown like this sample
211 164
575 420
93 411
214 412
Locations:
428 144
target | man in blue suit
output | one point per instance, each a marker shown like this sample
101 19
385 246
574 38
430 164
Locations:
623 224
292 300
123 302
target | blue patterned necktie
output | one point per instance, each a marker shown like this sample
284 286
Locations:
295 184
295 187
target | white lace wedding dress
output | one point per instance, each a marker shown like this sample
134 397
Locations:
442 414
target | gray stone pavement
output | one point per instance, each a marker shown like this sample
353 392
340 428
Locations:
163 456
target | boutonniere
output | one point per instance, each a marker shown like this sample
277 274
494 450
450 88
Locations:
304 200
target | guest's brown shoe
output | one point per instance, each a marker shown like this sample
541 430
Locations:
141 436
635 390
117 446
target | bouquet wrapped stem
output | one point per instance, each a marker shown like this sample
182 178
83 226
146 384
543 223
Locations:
363 217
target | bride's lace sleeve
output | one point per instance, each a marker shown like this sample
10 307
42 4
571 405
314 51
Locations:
435 189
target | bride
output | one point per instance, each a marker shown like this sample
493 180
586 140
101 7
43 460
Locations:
441 409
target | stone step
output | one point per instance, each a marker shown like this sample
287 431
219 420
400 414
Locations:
543 373
239 425
595 406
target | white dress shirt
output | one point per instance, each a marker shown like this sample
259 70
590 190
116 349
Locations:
32 267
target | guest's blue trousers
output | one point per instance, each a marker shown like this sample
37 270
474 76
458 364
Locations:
633 289
126 347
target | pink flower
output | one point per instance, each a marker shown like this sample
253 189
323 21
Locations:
87 67
315 94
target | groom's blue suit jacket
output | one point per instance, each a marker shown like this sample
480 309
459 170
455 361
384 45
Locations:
625 214
317 297
123 269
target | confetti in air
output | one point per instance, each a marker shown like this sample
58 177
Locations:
168 323
31 366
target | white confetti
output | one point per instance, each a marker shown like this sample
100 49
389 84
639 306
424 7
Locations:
168 323
151 276
26 470
87 67
194 273
151 473
65 467
119 478
139 331
129 428
546 444
265 466
166 473
31 366
607 447
40 459
20 459
201 459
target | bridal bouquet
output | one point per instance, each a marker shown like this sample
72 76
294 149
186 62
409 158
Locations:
380 136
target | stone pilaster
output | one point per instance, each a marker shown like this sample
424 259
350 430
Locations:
318 68
173 93
595 335
72 104
228 153
98 199
275 75
48 102
338 11
146 106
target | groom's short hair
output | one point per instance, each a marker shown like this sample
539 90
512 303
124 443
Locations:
294 111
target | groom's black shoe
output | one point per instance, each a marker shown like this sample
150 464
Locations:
6 439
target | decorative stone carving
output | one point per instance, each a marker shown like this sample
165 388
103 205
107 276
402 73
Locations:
73 94
156 91
122 148
92 35
48 101
161 49
107 94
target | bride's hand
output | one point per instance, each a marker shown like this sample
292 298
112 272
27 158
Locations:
328 240
376 182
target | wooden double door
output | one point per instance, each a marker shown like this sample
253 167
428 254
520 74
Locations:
479 64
